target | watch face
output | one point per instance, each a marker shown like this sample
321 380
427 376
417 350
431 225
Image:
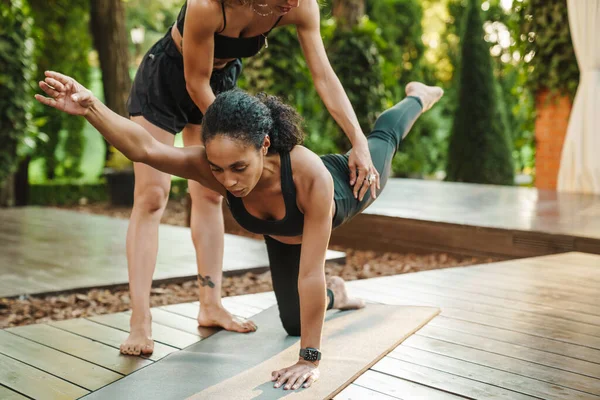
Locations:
311 355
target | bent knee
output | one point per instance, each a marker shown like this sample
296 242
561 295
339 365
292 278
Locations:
151 198
291 326
202 195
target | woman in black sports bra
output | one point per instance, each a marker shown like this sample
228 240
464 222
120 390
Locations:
274 186
198 58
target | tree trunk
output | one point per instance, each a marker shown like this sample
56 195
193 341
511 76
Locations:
107 23
7 192
348 12
21 183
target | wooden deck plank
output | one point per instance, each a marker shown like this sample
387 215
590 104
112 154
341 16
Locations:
80 347
491 376
240 308
454 383
452 292
110 336
35 383
506 363
179 322
553 272
69 368
190 310
582 260
355 392
259 300
517 351
526 340
92 249
513 314
488 289
7 394
160 333
400 388
531 327
545 331
526 281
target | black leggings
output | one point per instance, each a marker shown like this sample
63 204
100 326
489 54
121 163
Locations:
284 259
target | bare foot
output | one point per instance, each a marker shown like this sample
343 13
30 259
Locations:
429 95
139 340
218 316
341 300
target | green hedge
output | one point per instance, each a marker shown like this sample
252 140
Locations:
542 28
71 193
16 70
479 150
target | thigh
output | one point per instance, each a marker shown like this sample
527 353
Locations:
284 262
145 175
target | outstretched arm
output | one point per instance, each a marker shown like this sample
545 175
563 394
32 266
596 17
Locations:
137 144
333 95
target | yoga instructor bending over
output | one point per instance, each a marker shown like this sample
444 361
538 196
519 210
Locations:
253 156
198 58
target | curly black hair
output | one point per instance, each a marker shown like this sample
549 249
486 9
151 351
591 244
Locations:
239 115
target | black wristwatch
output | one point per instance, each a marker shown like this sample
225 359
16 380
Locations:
310 354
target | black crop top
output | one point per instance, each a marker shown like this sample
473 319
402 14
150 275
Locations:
231 47
293 222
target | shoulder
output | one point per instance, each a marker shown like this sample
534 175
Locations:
203 13
305 15
312 179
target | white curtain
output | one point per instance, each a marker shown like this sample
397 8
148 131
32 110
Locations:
580 161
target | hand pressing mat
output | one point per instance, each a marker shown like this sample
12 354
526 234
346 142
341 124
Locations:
231 365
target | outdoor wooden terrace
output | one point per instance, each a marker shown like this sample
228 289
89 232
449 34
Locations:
518 329
46 250
479 220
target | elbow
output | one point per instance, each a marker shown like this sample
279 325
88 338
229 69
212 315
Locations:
196 86
320 83
311 279
141 155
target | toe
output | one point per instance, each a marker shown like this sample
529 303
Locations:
148 349
136 350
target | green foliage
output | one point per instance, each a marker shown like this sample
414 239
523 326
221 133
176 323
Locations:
479 148
281 70
154 16
423 151
402 48
356 58
118 161
62 44
514 100
52 194
542 31
16 71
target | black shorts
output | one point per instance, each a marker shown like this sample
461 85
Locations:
159 91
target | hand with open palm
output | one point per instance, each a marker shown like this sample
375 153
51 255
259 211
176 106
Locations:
66 94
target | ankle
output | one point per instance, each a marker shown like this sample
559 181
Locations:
211 306
140 318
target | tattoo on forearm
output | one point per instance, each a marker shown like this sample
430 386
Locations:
205 281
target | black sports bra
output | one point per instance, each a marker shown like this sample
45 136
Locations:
293 222
231 47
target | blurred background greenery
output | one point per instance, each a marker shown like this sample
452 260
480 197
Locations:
492 57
